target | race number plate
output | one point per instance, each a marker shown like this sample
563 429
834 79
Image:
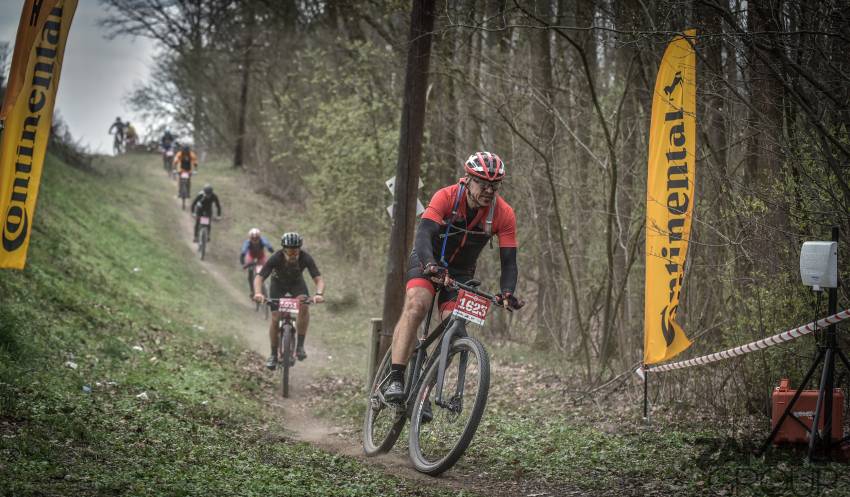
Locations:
205 220
288 305
471 307
184 174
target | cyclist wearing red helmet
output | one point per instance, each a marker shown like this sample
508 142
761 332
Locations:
455 227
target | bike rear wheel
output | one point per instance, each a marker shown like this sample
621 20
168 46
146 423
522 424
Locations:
288 347
184 192
383 422
202 241
436 446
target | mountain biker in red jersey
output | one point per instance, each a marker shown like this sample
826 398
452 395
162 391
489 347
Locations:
254 250
455 227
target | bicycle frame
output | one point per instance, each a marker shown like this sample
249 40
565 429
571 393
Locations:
451 328
285 316
284 319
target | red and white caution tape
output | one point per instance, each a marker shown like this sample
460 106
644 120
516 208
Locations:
764 343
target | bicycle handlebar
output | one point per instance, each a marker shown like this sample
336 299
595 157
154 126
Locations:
304 301
449 282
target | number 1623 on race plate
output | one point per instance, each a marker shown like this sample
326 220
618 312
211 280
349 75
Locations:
471 307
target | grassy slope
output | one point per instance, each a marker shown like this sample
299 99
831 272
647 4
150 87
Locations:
203 429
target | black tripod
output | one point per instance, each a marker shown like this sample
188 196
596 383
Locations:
828 350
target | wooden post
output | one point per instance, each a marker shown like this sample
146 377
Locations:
374 345
409 160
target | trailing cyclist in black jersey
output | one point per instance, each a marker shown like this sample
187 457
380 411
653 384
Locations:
285 268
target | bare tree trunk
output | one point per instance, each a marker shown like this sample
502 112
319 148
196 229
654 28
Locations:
409 160
247 47
584 13
627 69
549 309
766 98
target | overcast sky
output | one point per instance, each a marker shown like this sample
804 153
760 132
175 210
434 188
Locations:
97 73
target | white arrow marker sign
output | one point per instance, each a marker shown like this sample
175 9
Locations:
391 185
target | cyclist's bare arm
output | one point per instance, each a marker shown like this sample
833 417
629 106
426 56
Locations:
320 289
258 288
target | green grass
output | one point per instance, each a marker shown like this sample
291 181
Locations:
116 378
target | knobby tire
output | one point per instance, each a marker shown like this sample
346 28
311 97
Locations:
426 391
288 333
393 416
202 241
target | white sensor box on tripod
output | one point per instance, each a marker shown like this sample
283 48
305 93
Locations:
819 265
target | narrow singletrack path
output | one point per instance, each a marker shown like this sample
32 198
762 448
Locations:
299 422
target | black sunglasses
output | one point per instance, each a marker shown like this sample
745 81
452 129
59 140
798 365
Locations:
493 186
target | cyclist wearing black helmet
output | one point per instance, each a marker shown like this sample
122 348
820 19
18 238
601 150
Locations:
286 267
202 206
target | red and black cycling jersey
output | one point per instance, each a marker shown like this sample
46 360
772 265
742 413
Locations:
288 274
465 235
255 249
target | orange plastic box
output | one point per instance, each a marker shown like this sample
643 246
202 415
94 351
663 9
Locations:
804 410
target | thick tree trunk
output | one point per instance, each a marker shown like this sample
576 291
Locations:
409 160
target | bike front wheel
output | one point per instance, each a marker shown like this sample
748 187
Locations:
383 421
202 241
437 445
288 360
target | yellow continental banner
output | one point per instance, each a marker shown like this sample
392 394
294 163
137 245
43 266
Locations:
27 124
669 198
33 16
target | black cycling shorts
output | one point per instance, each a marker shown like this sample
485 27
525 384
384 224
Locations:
415 275
277 290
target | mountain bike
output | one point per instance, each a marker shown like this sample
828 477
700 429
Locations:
167 158
445 390
118 144
254 269
287 308
183 187
204 235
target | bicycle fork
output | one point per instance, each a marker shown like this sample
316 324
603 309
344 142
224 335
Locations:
455 330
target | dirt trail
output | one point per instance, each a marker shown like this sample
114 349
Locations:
301 424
